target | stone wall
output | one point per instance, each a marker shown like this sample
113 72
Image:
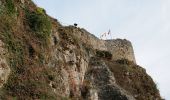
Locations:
120 48
88 38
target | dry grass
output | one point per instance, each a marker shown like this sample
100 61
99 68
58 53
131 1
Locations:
135 80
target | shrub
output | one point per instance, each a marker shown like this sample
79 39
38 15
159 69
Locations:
123 61
1 7
104 54
51 77
40 24
40 10
10 7
15 48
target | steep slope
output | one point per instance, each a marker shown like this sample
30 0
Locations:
42 60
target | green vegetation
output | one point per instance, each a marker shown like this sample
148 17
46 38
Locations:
13 44
15 55
123 61
10 7
1 7
28 77
15 47
40 10
39 23
104 54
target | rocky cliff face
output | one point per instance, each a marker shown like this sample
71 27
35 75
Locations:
42 60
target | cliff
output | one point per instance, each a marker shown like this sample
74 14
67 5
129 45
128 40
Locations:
42 60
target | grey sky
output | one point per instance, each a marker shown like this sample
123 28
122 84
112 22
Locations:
146 23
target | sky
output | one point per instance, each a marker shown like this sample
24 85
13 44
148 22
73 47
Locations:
146 23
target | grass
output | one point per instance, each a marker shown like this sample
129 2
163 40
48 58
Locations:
134 79
16 48
13 44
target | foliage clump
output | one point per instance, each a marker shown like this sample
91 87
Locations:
1 7
39 23
10 7
104 54
123 61
40 10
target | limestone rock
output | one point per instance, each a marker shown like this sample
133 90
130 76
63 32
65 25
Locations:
4 68
102 84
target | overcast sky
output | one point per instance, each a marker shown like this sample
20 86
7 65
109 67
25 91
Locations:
146 23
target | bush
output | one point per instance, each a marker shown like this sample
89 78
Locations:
1 7
10 7
39 23
123 61
40 10
15 49
104 54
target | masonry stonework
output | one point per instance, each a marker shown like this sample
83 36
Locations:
120 48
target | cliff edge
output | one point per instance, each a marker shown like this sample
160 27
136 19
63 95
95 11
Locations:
40 59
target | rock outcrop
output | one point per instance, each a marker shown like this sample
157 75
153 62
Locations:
42 60
4 67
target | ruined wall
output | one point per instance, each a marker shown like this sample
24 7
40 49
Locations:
120 48
89 39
